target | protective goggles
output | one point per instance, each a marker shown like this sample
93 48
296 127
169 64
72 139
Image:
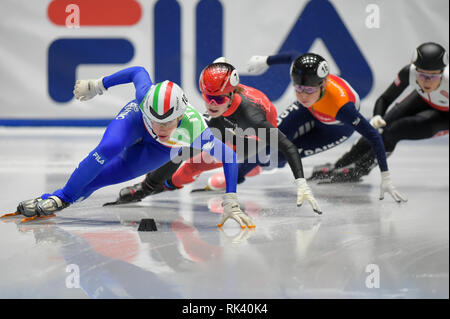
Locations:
306 89
428 76
218 99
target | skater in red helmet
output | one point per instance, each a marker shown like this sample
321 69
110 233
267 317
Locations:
237 114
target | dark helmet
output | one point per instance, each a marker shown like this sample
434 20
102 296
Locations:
430 56
309 69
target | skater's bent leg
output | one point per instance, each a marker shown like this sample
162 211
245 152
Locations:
134 162
420 126
356 152
192 169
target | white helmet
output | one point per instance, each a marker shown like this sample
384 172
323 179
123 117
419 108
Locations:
164 102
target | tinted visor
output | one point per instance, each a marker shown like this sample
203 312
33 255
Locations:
428 76
306 89
218 99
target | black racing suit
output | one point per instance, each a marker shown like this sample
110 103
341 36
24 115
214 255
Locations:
418 116
250 114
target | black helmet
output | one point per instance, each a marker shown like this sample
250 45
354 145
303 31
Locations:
309 69
430 56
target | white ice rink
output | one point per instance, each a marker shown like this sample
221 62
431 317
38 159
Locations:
293 253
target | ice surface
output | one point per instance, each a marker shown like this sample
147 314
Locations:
293 253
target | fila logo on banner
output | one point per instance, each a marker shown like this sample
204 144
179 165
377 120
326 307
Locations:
65 54
319 17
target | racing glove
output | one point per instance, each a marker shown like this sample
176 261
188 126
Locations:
231 209
86 89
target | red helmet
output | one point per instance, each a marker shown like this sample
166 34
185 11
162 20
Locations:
218 79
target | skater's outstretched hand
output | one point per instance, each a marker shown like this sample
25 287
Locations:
387 186
231 209
257 64
304 192
86 89
377 122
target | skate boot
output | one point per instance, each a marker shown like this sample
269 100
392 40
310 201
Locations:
321 172
215 182
354 172
50 206
347 174
43 208
26 208
135 193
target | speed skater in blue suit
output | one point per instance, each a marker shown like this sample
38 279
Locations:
148 132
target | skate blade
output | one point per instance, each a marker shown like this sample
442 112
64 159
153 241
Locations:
111 203
10 215
316 178
205 189
36 218
199 190
334 181
325 181
118 202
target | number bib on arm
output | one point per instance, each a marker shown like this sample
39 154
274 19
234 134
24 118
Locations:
191 126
